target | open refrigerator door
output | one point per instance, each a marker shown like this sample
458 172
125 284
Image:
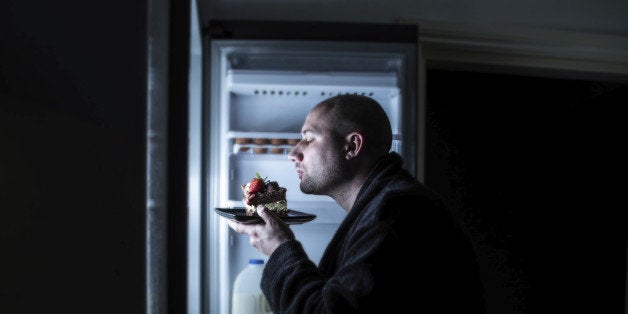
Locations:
257 96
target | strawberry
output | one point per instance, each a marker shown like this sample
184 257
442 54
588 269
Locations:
257 184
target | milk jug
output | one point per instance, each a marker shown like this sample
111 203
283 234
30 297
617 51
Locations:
247 297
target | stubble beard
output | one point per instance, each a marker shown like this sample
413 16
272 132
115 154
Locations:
325 180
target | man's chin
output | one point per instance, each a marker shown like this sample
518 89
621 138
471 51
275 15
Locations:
305 189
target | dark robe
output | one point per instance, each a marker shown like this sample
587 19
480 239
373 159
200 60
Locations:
397 251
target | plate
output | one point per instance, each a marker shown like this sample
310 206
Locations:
239 214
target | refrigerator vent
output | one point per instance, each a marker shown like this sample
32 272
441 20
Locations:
280 92
330 94
297 93
300 84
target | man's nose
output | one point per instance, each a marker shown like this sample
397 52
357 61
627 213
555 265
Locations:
295 155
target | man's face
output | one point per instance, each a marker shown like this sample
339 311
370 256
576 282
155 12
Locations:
318 157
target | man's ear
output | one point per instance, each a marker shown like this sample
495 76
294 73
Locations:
354 142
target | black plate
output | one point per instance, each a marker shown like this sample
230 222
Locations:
238 214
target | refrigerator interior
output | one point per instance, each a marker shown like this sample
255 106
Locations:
260 93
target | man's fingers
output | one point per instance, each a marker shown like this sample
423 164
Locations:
265 214
233 225
237 227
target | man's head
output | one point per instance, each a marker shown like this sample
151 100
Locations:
342 138
355 113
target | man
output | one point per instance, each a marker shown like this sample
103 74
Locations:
398 249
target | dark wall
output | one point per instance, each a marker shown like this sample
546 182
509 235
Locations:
72 156
530 165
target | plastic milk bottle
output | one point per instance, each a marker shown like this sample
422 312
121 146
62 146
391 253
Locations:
247 295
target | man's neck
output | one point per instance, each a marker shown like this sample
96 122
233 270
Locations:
347 198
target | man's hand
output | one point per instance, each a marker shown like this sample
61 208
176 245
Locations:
268 236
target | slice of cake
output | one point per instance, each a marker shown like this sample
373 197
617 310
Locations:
264 192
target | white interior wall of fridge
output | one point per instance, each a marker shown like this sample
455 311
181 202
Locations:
280 100
271 102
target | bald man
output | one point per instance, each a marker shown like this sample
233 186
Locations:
398 250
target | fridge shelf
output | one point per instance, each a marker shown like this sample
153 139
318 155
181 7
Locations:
262 143
254 149
267 135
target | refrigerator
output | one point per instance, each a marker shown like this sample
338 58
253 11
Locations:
260 79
